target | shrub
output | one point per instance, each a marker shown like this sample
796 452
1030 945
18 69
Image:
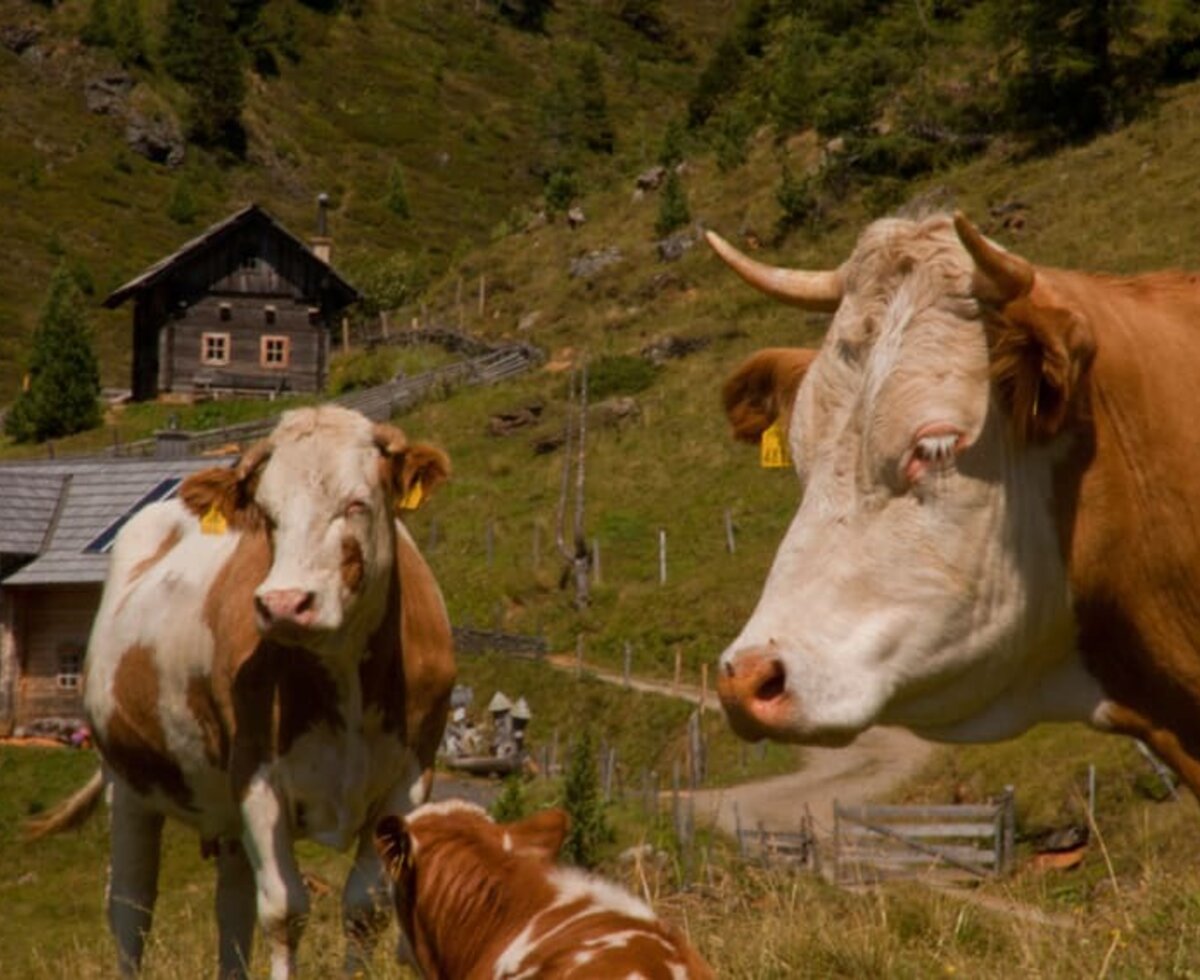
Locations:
181 206
397 199
673 210
619 374
511 803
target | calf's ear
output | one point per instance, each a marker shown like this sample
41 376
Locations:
764 388
424 466
541 835
393 844
225 494
1040 350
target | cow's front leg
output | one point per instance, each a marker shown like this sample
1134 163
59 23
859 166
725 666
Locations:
365 904
136 833
235 910
281 898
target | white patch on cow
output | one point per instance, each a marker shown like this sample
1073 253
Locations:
443 807
678 971
913 604
574 885
265 826
508 841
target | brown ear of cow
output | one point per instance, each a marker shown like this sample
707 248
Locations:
228 490
1040 350
541 835
392 844
421 464
763 388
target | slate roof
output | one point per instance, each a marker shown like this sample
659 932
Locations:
247 215
61 507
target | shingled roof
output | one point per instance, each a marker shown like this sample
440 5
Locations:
346 293
66 512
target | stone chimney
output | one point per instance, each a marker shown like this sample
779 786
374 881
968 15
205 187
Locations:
321 244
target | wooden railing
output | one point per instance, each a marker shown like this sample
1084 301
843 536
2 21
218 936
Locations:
874 842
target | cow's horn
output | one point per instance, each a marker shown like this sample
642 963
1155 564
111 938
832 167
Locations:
1002 275
810 290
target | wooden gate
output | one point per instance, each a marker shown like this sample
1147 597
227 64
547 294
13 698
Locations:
871 843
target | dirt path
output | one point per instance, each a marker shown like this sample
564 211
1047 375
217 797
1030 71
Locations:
875 763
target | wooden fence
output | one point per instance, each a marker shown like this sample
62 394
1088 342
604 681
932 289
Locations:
377 403
794 849
875 842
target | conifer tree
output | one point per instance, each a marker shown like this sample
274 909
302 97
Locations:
397 198
673 210
128 33
219 87
179 53
597 128
590 829
63 391
97 29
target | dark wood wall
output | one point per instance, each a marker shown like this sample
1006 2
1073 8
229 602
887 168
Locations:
50 620
247 269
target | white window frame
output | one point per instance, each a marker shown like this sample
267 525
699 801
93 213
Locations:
285 350
226 340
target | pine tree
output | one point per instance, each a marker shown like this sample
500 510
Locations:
597 128
673 210
219 88
510 805
97 29
181 206
670 153
590 829
397 199
179 52
63 392
128 33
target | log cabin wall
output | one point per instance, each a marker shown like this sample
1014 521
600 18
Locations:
52 628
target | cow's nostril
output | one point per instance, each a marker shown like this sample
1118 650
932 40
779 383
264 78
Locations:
306 603
773 684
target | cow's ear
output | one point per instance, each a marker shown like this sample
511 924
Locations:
1040 349
541 835
764 388
420 470
227 491
393 844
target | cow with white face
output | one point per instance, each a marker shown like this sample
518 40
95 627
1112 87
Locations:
999 499
271 660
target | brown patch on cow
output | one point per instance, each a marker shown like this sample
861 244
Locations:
171 539
410 670
204 710
465 888
352 564
763 390
133 743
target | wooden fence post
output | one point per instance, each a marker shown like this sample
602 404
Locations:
662 556
596 561
730 541
579 653
628 662
678 666
1010 828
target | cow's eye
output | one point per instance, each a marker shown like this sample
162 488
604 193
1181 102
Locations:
933 450
355 508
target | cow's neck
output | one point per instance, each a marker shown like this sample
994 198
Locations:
1127 497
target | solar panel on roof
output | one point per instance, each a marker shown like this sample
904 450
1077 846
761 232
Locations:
163 490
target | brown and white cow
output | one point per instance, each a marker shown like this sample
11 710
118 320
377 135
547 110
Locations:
485 901
1000 518
271 661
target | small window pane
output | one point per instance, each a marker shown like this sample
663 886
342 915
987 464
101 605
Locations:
275 351
214 348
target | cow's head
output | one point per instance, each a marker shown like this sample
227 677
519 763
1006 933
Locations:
922 573
456 843
324 487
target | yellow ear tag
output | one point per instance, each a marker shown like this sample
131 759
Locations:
213 521
773 451
412 499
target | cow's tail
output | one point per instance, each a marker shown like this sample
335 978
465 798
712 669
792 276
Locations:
71 813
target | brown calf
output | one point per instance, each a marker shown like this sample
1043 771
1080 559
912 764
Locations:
478 899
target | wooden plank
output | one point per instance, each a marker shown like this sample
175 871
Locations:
983 830
877 813
954 855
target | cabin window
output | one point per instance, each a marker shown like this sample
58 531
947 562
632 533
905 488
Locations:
275 351
226 311
314 315
269 314
70 667
214 348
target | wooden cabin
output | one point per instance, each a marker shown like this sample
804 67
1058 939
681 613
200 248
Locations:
244 308
58 519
